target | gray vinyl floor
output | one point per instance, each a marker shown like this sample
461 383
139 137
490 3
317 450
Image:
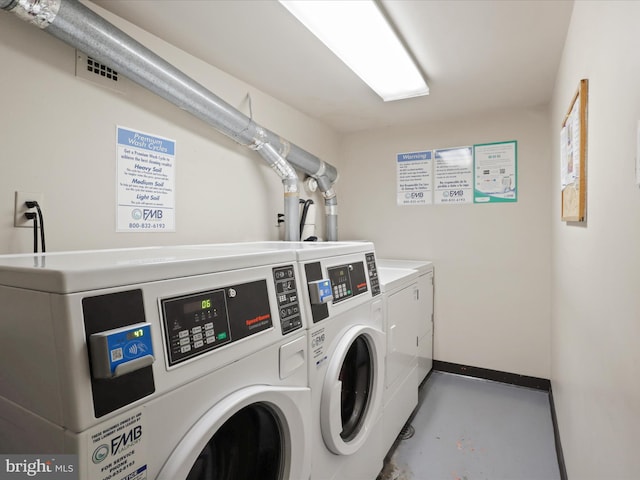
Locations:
471 429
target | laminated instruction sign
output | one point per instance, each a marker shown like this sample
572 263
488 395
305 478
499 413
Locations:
495 172
414 178
145 182
482 173
454 175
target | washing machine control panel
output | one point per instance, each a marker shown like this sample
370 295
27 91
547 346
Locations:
287 294
200 322
347 281
373 274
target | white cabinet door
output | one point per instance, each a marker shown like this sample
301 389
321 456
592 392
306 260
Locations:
403 312
425 325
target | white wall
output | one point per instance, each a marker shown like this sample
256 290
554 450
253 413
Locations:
492 261
58 138
596 273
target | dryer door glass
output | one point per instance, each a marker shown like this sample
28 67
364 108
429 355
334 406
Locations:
247 447
356 376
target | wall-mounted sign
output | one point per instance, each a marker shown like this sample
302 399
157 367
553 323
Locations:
454 175
573 157
495 166
414 174
482 173
145 182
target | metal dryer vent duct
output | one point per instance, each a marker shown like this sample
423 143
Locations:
82 28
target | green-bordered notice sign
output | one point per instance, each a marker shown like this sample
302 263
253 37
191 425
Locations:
495 172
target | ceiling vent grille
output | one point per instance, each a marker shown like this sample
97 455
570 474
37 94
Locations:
90 69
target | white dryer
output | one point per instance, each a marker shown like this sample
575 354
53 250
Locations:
346 358
422 295
401 316
167 363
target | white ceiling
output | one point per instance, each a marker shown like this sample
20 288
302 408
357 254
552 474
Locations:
478 55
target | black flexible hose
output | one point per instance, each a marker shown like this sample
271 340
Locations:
41 217
303 217
33 216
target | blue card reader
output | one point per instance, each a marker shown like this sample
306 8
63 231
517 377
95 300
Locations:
121 350
320 291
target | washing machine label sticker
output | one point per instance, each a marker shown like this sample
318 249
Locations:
117 449
318 339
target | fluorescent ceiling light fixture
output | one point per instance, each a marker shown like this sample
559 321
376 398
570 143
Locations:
359 34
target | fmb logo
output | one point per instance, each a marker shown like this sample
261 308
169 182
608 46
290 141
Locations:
146 214
150 214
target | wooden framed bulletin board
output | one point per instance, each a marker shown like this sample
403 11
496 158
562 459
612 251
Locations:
573 153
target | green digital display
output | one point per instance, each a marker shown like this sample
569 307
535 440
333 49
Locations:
137 333
198 305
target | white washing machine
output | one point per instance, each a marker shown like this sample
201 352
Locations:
167 363
346 358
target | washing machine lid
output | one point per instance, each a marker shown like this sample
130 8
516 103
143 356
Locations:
394 278
318 250
422 266
69 272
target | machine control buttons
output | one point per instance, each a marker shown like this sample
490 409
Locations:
212 319
287 297
192 312
373 273
348 281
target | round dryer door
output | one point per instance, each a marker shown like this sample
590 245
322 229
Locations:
248 446
352 390
255 433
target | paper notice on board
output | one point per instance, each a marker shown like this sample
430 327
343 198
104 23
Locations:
495 172
414 174
145 182
453 176
570 148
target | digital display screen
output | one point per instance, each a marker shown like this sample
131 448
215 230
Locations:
197 306
137 333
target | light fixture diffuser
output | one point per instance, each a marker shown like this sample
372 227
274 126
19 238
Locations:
359 34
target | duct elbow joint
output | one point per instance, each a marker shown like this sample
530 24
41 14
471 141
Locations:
279 165
291 185
41 13
329 196
8 4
